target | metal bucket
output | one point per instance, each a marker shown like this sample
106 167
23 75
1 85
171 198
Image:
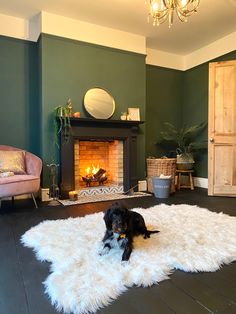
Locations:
161 187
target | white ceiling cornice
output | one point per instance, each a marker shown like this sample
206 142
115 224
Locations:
169 60
52 24
95 34
14 27
216 49
48 23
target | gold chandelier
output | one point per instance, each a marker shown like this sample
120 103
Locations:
160 10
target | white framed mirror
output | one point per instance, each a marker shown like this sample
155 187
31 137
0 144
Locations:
99 103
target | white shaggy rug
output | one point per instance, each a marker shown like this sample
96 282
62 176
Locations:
191 239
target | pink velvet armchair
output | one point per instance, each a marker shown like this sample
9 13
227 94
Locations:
19 184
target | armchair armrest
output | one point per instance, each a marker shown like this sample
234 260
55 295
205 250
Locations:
33 164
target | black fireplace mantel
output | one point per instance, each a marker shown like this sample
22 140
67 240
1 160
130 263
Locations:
100 129
105 122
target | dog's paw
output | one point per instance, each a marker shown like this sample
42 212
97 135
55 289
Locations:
104 251
124 263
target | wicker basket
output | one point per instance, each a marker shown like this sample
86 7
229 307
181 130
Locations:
184 165
158 166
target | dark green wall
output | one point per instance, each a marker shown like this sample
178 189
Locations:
19 94
195 104
195 109
172 96
180 98
164 96
37 77
70 68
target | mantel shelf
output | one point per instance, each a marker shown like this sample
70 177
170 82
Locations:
90 121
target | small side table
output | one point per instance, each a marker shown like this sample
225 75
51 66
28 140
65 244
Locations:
187 172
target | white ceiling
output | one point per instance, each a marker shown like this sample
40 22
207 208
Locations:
214 20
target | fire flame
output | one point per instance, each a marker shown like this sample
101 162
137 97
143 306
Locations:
92 170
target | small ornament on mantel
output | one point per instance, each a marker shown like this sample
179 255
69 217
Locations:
123 116
76 114
128 117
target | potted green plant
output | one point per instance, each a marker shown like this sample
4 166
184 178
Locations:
61 118
185 142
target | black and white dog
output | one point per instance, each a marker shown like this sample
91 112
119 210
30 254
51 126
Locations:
121 226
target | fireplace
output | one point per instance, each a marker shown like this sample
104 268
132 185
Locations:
98 163
110 145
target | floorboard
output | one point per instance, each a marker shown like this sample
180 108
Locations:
12 290
208 296
33 272
130 301
225 285
22 276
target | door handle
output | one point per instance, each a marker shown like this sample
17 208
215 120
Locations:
212 140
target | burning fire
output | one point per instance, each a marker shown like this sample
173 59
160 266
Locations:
94 174
92 170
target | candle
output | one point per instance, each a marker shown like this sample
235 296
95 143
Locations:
73 195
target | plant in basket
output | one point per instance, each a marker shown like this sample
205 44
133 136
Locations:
185 141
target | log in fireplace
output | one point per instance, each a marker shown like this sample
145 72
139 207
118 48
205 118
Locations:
86 129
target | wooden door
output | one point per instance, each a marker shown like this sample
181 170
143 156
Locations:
222 129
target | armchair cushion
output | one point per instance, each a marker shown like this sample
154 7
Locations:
6 174
13 161
18 184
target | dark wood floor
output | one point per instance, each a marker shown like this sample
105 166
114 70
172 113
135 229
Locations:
21 275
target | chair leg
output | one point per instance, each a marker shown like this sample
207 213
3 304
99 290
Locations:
12 201
35 203
0 203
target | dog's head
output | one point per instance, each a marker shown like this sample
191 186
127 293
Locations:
116 218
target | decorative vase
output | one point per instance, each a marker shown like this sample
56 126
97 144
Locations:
123 116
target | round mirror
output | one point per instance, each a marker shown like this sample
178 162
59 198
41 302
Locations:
99 103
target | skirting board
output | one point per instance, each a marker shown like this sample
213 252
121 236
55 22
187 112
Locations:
201 182
198 182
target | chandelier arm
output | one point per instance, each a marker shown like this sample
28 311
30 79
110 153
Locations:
163 16
186 13
162 20
159 10
171 17
160 16
159 20
168 4
195 6
181 17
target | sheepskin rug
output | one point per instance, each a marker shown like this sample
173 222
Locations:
81 281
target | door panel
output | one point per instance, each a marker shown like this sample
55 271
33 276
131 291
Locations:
222 129
225 91
223 158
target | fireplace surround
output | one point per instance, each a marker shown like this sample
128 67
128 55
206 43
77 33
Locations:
87 129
